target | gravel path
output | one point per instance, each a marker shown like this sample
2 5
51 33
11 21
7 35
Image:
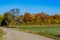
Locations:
18 35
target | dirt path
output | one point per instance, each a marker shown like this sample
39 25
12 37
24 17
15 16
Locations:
16 35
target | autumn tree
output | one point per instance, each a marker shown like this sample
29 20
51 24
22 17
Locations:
56 19
37 19
13 18
27 18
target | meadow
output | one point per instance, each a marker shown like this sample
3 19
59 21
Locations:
47 31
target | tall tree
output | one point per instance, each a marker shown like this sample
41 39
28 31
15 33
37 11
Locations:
6 19
27 18
1 18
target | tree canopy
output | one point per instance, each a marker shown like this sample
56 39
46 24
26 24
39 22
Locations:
10 18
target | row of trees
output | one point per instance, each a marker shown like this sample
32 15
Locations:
10 18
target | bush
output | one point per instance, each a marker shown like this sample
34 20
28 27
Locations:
1 30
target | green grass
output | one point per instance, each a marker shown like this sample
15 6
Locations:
48 31
1 34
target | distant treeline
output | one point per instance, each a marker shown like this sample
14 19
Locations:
13 18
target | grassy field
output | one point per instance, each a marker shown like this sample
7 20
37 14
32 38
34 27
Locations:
48 31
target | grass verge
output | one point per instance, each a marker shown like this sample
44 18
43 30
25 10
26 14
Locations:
49 31
1 33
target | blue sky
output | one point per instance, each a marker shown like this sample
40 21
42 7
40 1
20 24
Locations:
33 6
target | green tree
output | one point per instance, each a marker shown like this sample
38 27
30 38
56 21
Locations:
6 19
1 17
